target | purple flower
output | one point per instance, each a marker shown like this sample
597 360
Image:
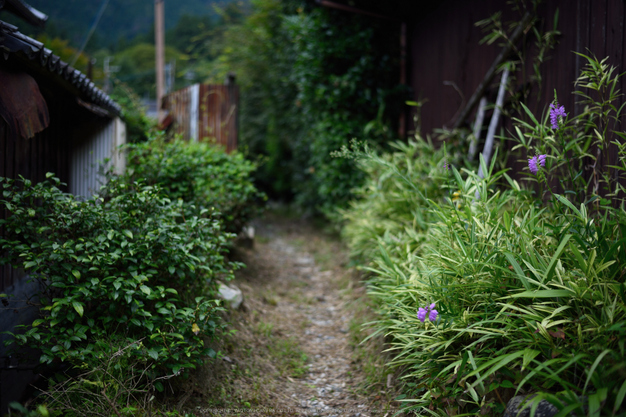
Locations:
445 165
432 313
532 163
542 160
556 112
421 314
432 316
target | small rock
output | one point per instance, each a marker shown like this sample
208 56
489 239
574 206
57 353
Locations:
246 237
304 261
231 295
545 409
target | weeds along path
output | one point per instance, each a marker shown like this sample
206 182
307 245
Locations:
295 349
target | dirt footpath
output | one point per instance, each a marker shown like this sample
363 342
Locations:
294 352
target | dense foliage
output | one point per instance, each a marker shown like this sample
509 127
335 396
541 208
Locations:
529 286
127 265
200 175
128 278
312 79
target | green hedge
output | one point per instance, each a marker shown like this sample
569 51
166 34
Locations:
202 175
128 264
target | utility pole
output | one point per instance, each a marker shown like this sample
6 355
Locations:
108 70
160 59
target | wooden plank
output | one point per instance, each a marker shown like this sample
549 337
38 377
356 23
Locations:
4 271
614 50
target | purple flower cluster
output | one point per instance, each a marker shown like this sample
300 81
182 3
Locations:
556 112
532 163
432 313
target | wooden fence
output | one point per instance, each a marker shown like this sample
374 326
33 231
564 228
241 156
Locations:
205 112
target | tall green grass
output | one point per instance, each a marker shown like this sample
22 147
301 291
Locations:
530 294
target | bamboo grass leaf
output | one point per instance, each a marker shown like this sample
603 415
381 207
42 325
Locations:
542 294
497 363
548 275
518 270
619 398
594 366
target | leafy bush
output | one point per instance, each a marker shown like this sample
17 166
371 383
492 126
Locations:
203 176
531 296
128 264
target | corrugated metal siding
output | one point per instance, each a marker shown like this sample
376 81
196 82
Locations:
88 166
216 107
51 151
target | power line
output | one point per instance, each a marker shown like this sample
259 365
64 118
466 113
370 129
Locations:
91 30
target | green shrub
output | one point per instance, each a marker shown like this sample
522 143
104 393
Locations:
530 291
203 176
128 264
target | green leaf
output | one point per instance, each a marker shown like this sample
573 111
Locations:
507 384
619 398
145 289
76 274
529 355
595 401
78 307
594 366
128 233
568 204
518 270
542 294
497 363
555 258
30 264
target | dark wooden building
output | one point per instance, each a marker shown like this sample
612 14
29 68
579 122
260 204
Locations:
52 119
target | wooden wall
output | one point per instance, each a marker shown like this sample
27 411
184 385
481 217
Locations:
48 151
444 52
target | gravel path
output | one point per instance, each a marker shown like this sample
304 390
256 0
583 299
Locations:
294 290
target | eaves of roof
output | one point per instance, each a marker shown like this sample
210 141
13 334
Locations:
25 11
15 44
